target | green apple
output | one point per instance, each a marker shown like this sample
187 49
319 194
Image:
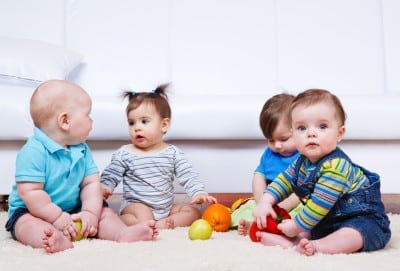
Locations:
78 224
200 230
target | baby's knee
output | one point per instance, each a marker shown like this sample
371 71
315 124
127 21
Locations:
192 210
107 212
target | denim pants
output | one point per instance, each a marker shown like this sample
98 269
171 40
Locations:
363 211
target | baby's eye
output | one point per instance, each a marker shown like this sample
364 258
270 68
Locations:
284 139
322 126
145 121
301 128
131 123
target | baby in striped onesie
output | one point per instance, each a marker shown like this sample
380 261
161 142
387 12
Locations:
149 166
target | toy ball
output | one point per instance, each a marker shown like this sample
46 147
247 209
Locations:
78 224
219 217
200 230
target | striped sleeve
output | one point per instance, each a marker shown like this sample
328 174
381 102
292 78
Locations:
281 187
113 174
334 180
187 176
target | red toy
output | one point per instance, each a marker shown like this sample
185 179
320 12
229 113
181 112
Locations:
272 225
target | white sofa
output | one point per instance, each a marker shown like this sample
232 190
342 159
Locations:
223 58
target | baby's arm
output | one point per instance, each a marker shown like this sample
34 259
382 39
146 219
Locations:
259 185
40 205
290 202
91 198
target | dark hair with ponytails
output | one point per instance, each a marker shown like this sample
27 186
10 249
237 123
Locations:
157 97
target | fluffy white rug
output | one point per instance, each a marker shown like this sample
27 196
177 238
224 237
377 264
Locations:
174 251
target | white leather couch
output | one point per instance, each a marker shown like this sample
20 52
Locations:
223 58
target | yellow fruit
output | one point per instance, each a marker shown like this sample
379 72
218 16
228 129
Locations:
79 227
200 230
238 203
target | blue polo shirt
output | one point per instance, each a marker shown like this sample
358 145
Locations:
61 170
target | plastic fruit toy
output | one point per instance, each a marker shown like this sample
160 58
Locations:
272 224
78 224
239 202
200 230
219 217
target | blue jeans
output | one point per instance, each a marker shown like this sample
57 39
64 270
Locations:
363 211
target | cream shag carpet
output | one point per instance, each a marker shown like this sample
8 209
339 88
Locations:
174 251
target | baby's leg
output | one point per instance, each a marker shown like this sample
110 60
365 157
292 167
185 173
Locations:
143 231
184 215
344 240
270 239
243 227
37 233
112 228
135 213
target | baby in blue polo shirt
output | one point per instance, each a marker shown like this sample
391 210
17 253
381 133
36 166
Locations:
57 181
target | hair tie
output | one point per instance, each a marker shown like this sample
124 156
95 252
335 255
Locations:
154 91
133 93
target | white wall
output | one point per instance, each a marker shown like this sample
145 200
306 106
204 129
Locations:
224 59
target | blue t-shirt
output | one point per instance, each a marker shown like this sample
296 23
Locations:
271 164
61 170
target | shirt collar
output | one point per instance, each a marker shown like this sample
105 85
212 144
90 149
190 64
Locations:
47 142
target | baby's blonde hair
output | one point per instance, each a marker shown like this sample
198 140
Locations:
51 97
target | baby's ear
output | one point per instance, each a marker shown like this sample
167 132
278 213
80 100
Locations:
63 121
165 125
341 132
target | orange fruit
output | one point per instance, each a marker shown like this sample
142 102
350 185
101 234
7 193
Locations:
219 217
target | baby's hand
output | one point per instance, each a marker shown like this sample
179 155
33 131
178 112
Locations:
65 224
89 223
106 193
202 198
289 228
260 213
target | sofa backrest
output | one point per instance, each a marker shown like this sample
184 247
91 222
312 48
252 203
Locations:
224 58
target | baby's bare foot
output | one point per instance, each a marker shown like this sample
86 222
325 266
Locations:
144 231
306 247
165 224
243 227
54 241
270 239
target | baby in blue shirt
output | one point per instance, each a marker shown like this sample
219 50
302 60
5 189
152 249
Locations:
57 181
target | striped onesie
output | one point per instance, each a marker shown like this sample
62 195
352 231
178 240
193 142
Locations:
149 179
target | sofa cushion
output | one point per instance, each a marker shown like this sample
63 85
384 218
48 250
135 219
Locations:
35 60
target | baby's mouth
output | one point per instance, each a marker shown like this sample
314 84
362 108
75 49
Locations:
312 144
